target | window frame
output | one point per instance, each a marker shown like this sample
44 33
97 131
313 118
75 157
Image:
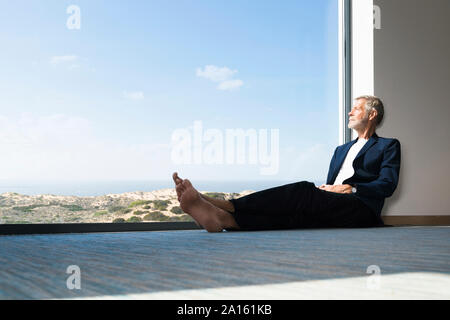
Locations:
345 69
23 229
345 104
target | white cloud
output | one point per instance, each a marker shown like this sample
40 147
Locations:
221 75
63 59
74 66
216 74
230 84
135 95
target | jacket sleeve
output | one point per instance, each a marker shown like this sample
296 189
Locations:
330 169
387 181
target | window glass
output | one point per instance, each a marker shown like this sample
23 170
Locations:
101 101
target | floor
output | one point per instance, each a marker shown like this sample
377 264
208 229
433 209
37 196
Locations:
378 263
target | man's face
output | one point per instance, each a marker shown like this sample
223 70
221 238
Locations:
358 117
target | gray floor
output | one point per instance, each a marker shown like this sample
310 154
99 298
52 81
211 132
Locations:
256 264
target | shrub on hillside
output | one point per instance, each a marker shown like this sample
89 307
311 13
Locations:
29 208
134 219
119 210
161 204
100 213
216 195
139 203
156 216
177 210
115 209
72 207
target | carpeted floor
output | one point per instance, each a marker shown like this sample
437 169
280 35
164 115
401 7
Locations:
197 264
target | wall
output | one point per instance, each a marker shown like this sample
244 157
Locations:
412 76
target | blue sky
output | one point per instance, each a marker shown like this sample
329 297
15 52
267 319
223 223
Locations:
102 102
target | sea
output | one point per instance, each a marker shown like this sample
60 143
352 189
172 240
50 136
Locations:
98 188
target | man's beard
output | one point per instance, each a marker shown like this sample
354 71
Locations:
359 124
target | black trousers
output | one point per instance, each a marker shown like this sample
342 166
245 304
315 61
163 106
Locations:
301 205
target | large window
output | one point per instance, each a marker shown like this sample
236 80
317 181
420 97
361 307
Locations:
101 101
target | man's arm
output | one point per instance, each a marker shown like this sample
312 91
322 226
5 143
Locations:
387 181
330 169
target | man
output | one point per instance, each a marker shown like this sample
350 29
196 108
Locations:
362 174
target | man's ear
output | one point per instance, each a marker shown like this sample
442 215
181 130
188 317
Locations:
373 114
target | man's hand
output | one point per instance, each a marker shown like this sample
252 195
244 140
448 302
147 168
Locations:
343 188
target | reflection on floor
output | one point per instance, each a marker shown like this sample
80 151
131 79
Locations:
413 262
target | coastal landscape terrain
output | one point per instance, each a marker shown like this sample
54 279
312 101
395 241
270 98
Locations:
133 207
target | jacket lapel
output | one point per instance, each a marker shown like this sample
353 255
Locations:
373 139
343 154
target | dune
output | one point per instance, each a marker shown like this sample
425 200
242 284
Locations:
137 206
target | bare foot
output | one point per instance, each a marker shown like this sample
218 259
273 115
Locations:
205 213
179 187
176 178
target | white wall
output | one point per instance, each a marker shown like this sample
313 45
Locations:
412 76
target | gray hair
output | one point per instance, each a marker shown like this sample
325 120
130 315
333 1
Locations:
373 102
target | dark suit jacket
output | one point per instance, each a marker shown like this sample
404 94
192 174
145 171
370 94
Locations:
377 169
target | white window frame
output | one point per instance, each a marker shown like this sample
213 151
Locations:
356 58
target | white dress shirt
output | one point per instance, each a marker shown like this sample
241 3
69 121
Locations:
347 170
